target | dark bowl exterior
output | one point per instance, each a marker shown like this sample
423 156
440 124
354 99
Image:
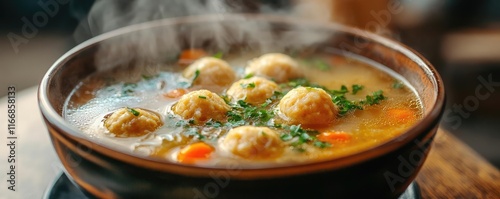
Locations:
382 172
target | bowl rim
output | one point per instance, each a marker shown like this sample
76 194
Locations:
67 131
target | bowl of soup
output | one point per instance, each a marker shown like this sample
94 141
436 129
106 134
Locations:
241 106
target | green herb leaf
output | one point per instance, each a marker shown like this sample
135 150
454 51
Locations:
196 74
356 88
322 145
244 113
128 88
397 84
202 97
218 55
215 124
226 99
195 133
148 77
373 99
248 76
286 137
134 112
266 103
249 85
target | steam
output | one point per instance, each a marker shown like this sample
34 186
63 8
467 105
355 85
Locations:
156 43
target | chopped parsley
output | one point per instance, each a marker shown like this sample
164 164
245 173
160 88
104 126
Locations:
185 123
196 74
356 88
187 84
276 95
243 113
266 103
128 88
321 144
195 133
215 124
301 136
181 123
226 98
148 77
249 85
344 105
248 76
374 98
202 97
397 84
133 111
218 55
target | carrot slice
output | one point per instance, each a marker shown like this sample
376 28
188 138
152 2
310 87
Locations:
195 152
190 55
175 93
334 137
401 115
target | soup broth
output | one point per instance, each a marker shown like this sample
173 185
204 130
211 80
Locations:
371 105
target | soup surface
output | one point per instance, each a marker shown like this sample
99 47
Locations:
254 110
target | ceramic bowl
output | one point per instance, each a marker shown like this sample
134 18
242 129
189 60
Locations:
383 171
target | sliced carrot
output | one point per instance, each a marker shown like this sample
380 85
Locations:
334 137
195 152
175 93
190 55
401 115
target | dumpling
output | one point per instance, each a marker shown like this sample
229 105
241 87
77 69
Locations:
132 122
251 142
254 90
210 71
308 106
275 66
201 105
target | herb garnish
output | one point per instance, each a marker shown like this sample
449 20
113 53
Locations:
248 76
302 136
148 77
196 74
186 84
195 133
397 84
243 113
202 97
249 85
134 112
128 88
356 88
374 98
215 124
218 55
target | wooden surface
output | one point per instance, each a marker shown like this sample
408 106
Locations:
453 170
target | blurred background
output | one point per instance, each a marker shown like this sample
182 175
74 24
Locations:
461 38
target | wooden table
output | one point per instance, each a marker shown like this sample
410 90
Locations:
452 170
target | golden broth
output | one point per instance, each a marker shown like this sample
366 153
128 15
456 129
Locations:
101 94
